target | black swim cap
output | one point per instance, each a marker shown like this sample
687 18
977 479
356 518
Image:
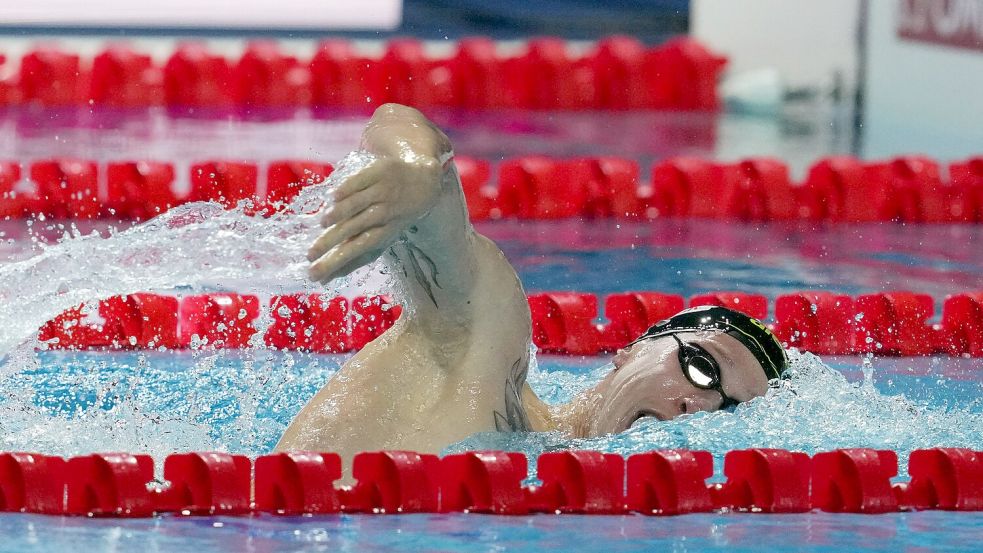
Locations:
749 331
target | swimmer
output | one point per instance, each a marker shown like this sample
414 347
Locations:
455 362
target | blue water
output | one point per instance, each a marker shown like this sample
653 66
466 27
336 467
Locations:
242 401
891 533
71 403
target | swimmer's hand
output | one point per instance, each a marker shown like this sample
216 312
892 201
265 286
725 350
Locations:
369 210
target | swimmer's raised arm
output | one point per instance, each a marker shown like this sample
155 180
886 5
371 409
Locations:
408 205
455 363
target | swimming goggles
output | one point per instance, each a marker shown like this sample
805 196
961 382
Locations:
701 369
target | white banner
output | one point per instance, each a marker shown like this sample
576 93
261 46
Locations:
256 14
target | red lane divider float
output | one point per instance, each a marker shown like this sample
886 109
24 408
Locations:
838 190
888 323
618 73
137 190
665 482
297 482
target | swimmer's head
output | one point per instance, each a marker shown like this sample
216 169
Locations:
702 359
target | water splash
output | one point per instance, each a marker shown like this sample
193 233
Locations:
192 248
71 403
817 409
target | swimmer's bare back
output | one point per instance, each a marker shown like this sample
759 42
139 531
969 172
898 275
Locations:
455 363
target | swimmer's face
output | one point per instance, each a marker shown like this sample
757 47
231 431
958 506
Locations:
647 381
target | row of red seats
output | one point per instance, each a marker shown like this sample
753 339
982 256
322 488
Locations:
825 323
887 323
618 73
840 189
908 189
74 189
666 482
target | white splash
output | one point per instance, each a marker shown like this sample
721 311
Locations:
816 409
192 248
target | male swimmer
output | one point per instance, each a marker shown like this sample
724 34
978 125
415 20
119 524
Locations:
455 362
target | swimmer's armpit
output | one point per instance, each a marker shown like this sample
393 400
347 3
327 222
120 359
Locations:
515 418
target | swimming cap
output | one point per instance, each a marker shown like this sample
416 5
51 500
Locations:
747 330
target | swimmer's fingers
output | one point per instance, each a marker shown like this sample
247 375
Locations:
374 216
352 205
345 258
361 180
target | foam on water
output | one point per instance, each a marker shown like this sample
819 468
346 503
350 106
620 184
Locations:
70 403
816 409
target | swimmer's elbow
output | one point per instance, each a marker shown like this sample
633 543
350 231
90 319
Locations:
395 110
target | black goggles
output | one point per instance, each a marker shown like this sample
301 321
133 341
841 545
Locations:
701 369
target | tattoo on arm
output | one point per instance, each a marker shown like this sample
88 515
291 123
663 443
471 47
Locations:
424 269
514 419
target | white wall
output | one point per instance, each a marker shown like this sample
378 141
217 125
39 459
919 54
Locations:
807 41
318 14
920 97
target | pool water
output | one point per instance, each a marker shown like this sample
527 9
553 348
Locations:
240 401
889 533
